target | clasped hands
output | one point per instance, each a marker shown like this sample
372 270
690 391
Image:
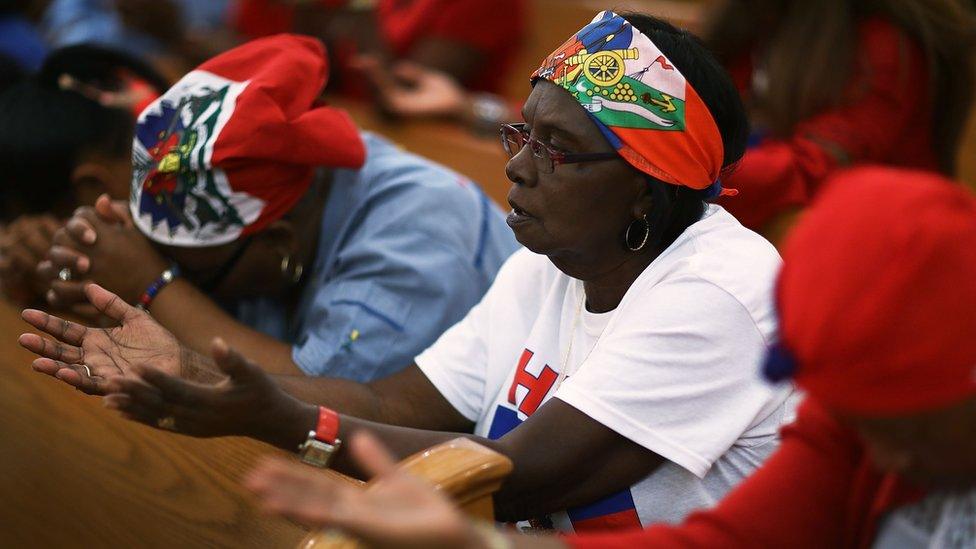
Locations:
99 244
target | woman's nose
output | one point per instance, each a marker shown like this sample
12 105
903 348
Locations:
520 168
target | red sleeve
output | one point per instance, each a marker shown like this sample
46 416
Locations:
797 499
887 94
494 28
256 18
484 25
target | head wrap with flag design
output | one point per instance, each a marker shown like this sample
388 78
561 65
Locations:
640 101
234 144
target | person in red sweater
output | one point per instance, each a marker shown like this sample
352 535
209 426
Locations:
877 308
838 83
471 41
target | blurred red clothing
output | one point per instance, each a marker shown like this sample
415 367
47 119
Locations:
819 489
492 27
885 119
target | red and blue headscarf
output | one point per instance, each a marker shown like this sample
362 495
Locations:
640 101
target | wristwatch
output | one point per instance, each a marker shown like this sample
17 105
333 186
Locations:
323 442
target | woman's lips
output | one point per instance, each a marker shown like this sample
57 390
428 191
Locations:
517 216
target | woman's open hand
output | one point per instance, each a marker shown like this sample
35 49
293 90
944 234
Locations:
87 358
247 402
397 510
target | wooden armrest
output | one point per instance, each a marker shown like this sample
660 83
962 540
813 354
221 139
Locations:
465 471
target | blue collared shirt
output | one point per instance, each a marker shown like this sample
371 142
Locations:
407 248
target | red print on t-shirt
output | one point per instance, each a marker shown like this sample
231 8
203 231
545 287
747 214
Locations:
538 386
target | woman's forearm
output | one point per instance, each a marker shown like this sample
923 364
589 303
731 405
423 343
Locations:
197 329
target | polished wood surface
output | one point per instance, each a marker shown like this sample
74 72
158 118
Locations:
72 474
479 158
466 471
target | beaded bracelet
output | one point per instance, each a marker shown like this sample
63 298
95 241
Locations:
167 276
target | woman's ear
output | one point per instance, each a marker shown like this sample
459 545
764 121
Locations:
282 236
89 181
92 178
644 201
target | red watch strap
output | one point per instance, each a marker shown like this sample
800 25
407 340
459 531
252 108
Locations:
327 429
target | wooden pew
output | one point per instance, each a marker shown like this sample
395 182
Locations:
73 474
480 158
464 470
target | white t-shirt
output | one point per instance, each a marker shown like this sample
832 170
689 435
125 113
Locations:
674 368
942 520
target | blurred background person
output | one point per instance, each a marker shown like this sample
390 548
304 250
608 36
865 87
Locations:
174 35
838 83
472 41
21 43
65 139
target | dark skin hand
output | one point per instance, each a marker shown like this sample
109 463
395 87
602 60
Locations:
97 241
577 216
23 245
398 510
250 403
106 353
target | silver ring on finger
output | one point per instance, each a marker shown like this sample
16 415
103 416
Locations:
167 423
65 275
87 369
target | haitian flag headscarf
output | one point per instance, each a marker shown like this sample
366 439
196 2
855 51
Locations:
234 144
640 101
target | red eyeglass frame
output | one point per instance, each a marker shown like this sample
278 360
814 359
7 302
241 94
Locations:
556 157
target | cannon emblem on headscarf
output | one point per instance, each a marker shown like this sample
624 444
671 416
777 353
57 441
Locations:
603 68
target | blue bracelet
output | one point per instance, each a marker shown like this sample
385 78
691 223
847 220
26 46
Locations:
167 276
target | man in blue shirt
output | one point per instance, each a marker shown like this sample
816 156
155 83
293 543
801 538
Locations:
407 247
261 217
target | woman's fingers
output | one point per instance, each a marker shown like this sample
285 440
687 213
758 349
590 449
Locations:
138 391
113 211
69 332
370 454
67 294
63 257
110 304
76 375
72 374
81 230
175 391
55 350
134 409
298 492
230 361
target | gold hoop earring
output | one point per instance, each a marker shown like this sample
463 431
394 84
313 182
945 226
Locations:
292 276
643 242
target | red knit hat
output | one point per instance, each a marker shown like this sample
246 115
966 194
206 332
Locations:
877 296
233 145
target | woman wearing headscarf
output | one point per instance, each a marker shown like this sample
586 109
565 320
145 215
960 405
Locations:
877 322
258 214
613 360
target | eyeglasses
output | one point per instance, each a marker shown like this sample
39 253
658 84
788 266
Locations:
516 136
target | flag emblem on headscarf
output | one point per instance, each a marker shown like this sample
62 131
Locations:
640 101
234 145
172 150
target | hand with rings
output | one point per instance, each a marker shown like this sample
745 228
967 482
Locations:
89 358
